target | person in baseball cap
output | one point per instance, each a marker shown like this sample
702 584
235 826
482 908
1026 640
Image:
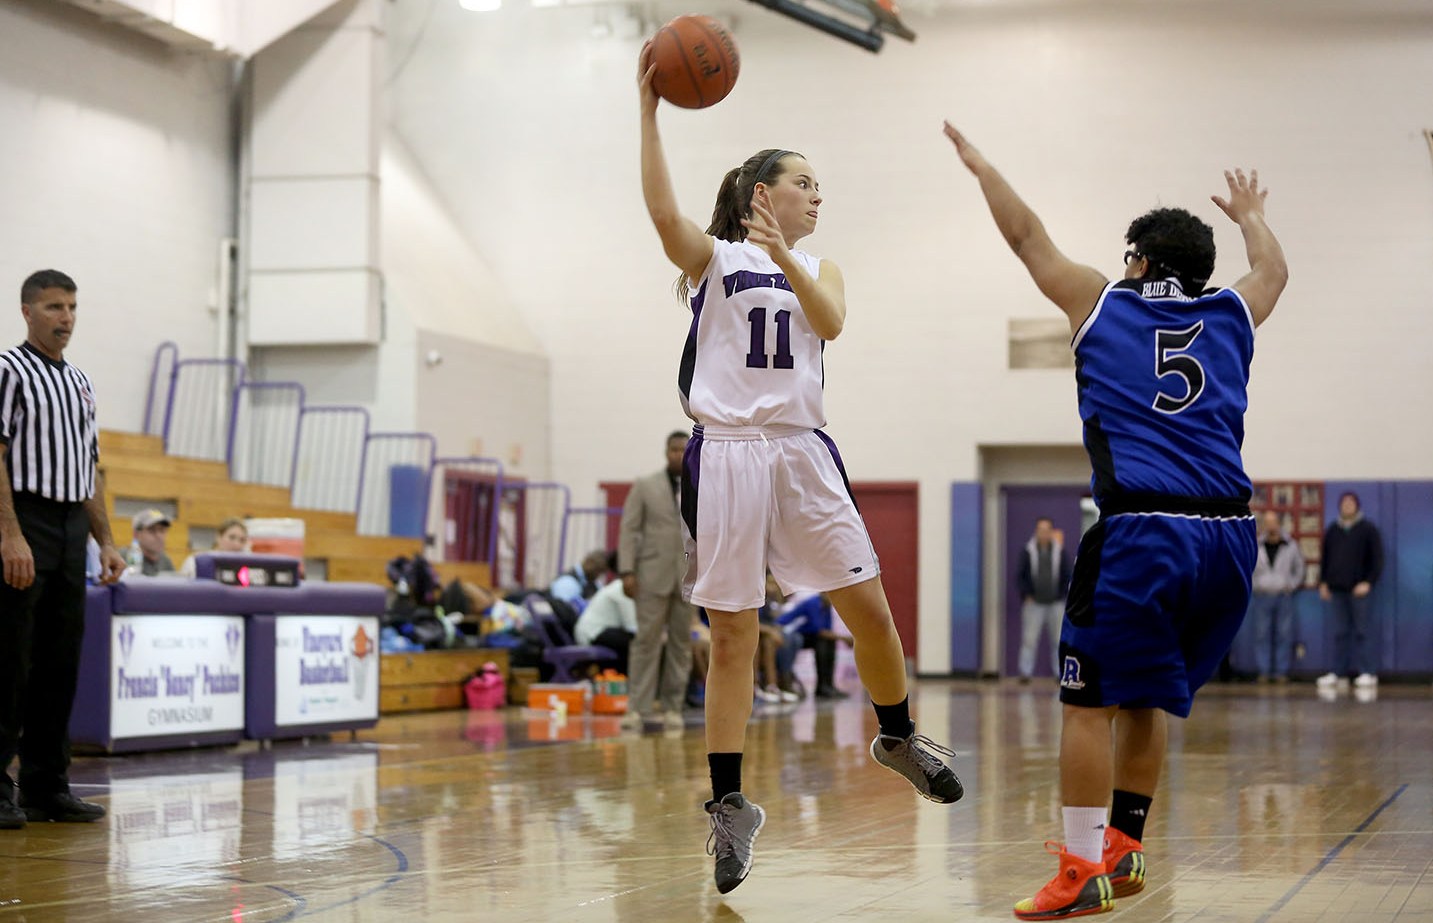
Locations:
147 554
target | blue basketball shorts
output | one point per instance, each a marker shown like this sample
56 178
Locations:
1155 601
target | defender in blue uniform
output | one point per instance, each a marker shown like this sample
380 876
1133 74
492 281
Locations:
1161 582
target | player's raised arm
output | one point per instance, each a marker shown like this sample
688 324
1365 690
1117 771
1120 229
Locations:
1074 288
1268 272
685 244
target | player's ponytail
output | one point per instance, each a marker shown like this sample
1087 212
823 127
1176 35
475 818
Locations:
733 201
730 208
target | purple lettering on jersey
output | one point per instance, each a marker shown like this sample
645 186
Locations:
756 359
783 358
742 279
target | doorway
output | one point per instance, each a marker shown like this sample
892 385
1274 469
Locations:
1023 506
1032 481
892 514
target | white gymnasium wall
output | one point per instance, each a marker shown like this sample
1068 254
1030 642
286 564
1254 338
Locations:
1095 111
432 271
476 374
241 27
484 400
456 358
312 150
117 169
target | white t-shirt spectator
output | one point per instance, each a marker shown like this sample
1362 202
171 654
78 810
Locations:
608 608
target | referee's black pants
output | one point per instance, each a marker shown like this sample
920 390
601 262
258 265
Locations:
40 632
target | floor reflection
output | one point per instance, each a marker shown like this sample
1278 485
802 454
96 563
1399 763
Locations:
1275 805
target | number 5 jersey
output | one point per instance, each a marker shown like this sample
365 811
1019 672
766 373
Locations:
1163 385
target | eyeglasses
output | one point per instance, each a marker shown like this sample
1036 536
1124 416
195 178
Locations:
1132 255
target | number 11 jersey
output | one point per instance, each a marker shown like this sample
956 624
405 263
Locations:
751 358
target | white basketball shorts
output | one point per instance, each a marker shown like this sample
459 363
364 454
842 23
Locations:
754 499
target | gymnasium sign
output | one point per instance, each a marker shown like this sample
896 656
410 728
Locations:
325 668
176 674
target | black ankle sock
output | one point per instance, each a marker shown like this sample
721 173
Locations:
895 720
1128 813
726 774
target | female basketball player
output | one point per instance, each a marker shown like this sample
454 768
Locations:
762 486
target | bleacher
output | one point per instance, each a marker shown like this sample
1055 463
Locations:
217 444
202 495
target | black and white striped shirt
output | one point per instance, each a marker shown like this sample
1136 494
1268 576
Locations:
47 421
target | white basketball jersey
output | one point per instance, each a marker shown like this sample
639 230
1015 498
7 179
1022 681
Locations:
751 358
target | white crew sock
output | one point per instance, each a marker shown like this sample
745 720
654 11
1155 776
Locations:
1085 832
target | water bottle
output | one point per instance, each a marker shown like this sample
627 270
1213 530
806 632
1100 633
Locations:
134 557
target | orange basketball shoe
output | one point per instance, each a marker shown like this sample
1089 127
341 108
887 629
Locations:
1081 887
1124 862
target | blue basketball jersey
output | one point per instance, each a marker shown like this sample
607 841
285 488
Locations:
1163 386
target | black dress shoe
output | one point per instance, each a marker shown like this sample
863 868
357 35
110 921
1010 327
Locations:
11 817
63 808
830 692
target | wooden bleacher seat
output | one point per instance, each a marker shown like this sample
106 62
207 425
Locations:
136 469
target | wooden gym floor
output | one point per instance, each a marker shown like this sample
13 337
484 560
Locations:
1276 806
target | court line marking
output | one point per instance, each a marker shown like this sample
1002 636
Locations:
387 883
1330 856
299 902
390 881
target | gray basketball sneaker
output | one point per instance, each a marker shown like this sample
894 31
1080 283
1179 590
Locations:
735 824
913 758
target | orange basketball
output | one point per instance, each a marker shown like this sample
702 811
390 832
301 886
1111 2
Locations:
697 62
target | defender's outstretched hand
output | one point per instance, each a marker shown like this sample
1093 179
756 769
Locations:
1245 196
1074 288
971 157
1268 270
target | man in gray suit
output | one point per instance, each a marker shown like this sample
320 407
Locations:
651 558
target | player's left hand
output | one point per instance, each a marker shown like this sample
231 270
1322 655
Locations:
763 230
111 564
1362 589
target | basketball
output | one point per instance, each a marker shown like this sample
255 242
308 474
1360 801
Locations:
697 62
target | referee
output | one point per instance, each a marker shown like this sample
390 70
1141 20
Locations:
51 500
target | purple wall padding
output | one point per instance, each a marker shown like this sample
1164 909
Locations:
89 719
161 595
